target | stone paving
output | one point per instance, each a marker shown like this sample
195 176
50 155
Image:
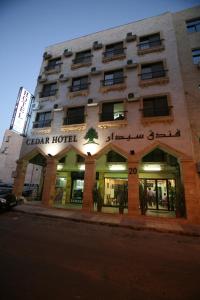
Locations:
160 224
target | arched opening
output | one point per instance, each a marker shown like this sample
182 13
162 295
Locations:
33 184
70 180
161 189
112 174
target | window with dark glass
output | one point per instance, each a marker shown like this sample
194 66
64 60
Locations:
155 106
49 90
112 111
193 25
113 77
113 156
83 57
149 41
196 56
114 49
155 70
53 64
80 83
80 159
75 115
42 120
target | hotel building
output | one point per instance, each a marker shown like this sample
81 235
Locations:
116 110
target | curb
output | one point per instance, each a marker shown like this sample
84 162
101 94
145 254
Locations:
104 223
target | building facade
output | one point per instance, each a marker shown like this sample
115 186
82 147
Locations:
111 126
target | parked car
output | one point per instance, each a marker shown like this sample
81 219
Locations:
8 201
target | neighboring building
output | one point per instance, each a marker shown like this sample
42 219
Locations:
111 109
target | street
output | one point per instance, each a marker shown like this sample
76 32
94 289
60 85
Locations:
47 258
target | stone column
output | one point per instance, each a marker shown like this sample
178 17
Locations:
133 189
20 177
48 193
89 180
190 182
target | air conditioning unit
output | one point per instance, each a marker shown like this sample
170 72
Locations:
131 64
67 53
47 55
94 71
97 45
132 98
36 106
56 107
91 102
63 78
42 79
130 37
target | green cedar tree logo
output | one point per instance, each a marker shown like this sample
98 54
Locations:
90 136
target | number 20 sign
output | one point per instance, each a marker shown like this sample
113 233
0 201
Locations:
132 170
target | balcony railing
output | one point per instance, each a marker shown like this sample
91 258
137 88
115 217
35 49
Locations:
83 60
79 87
156 112
116 116
113 52
149 44
113 81
79 119
41 124
48 93
53 67
153 74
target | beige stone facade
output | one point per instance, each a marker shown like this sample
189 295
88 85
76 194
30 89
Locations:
111 112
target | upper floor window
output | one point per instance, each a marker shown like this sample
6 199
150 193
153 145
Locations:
83 57
154 70
112 111
53 64
193 25
75 115
149 41
42 120
49 90
155 106
113 77
79 84
196 56
113 50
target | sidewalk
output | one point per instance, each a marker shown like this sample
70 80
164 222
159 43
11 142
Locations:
158 224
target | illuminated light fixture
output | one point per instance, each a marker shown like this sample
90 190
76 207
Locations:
89 154
152 167
117 167
59 167
81 167
50 155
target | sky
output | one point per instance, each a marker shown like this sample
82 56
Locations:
28 26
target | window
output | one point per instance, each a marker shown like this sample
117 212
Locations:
49 90
114 77
42 120
149 41
75 115
80 159
155 106
196 56
79 84
83 57
53 64
113 50
155 70
193 25
113 156
112 111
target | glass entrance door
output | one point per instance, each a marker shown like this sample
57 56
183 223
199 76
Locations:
77 191
116 192
158 194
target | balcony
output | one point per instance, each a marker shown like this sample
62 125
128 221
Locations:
42 124
153 77
48 93
150 46
115 119
79 90
83 61
113 84
113 54
53 68
79 119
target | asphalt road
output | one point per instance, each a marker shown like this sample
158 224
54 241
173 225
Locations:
45 258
